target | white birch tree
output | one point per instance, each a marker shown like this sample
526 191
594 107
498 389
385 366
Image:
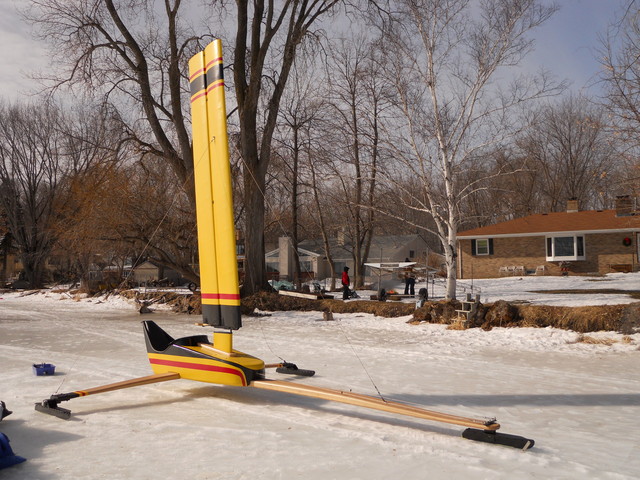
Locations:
450 61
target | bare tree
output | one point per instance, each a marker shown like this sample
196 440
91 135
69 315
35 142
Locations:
358 97
93 149
85 230
259 53
6 244
29 176
300 108
445 58
40 151
132 55
620 76
319 210
569 149
511 188
154 216
564 153
135 54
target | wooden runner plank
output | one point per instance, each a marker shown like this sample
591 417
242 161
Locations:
160 377
367 401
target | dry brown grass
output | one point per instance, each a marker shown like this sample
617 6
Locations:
579 319
593 291
179 303
503 314
623 318
457 325
596 341
275 302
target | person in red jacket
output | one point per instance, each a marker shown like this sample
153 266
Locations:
345 283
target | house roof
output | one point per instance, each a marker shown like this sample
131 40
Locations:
389 243
146 264
588 221
301 251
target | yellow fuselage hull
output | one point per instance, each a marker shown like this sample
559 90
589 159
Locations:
238 369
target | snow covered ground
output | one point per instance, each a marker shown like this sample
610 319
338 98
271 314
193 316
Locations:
579 401
532 289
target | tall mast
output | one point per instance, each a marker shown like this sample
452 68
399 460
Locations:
214 200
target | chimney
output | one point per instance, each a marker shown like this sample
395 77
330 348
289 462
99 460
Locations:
572 205
624 206
341 237
285 261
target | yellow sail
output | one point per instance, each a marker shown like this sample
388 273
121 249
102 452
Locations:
214 200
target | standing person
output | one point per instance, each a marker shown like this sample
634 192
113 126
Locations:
409 280
345 283
411 283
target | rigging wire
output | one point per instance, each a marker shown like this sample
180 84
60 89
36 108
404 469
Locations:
266 340
73 365
262 192
166 214
130 272
361 362
266 201
282 228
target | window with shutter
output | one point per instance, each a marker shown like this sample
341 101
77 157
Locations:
482 246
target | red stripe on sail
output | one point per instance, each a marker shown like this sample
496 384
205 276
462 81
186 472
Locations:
218 83
194 98
196 73
215 60
221 296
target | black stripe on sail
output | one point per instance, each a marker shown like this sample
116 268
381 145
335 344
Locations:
211 315
198 84
231 317
214 74
222 316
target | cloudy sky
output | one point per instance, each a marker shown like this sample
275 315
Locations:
565 45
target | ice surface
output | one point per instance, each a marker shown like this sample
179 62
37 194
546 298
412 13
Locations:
579 401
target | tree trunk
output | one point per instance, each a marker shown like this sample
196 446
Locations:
33 270
254 263
297 281
451 263
6 247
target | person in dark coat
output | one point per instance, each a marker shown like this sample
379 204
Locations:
345 283
409 280
409 284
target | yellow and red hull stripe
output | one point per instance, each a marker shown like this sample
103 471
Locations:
231 371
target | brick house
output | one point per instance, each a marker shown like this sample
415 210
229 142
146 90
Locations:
579 242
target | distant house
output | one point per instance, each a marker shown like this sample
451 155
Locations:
593 241
149 271
314 263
